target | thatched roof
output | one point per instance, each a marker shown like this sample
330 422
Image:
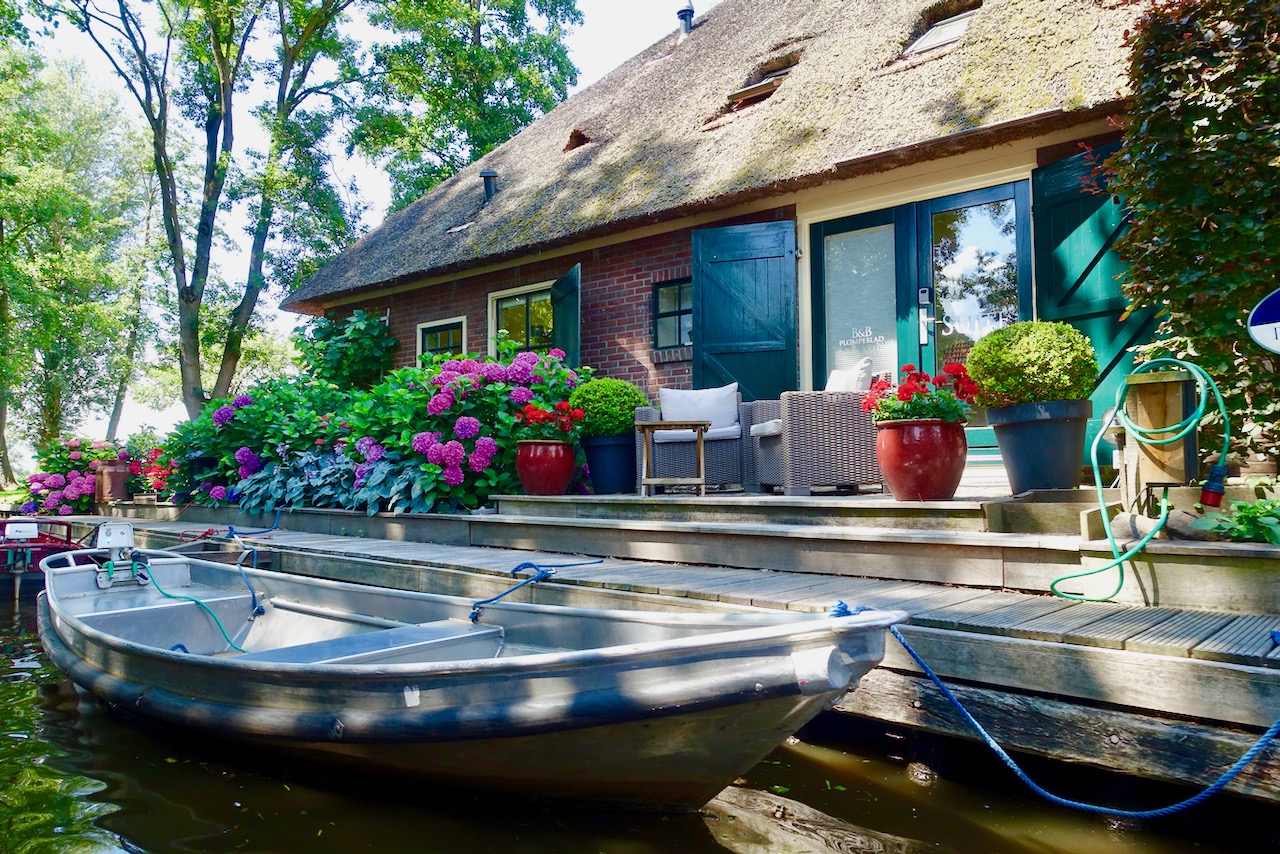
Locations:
654 140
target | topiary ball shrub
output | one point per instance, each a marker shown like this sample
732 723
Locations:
609 406
1033 361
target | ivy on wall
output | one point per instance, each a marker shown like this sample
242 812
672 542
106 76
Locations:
1200 172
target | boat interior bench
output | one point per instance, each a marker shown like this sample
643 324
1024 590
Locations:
442 640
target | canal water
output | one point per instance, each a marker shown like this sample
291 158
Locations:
78 777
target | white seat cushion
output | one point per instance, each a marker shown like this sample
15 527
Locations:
854 378
772 427
733 431
717 405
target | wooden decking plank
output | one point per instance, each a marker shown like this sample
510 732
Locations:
1112 632
1055 626
772 584
956 615
855 591
942 598
1245 640
824 592
1178 635
712 587
1002 620
899 598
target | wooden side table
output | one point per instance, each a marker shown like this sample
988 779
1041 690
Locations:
648 481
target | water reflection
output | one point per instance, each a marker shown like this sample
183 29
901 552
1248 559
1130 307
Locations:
78 777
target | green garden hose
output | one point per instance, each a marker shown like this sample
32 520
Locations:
1148 436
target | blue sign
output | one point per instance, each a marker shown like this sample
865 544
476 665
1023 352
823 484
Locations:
1264 322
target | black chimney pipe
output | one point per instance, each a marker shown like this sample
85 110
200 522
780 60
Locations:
686 18
490 183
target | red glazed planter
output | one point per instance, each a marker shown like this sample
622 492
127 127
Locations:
544 466
921 460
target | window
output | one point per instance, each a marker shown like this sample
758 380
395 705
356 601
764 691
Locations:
942 32
525 313
438 337
673 314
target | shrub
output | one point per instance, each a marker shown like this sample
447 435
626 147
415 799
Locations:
66 482
1197 171
313 478
1246 521
354 352
608 406
1033 361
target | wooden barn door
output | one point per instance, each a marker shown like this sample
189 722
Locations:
744 308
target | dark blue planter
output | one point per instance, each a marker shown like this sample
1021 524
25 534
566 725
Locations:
612 461
1042 443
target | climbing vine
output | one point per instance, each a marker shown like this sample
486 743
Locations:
1200 172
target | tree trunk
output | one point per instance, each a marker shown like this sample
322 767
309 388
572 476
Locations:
6 468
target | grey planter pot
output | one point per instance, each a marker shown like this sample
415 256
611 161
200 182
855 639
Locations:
1042 443
612 461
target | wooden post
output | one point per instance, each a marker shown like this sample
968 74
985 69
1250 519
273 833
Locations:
1158 400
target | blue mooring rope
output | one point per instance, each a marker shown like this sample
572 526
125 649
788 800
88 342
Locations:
1215 787
542 571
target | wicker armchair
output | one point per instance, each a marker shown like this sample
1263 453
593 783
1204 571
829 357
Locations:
727 461
816 438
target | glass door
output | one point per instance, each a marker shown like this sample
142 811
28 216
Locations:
974 277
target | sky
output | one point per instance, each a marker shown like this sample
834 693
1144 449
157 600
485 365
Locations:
612 31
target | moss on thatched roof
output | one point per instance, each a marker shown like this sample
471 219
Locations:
655 139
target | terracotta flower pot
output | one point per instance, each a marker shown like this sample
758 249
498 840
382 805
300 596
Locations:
921 460
544 466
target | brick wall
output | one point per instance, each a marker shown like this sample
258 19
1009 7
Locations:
617 320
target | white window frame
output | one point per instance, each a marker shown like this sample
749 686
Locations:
494 296
448 321
943 32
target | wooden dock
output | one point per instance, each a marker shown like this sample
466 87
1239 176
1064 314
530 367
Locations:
1169 692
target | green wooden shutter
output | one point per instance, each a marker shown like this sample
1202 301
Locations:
1077 269
744 308
566 317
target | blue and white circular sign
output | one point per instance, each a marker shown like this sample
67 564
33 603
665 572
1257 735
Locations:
1264 322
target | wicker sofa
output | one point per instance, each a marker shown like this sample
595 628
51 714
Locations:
820 438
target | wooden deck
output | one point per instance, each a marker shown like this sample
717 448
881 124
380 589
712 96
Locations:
1169 692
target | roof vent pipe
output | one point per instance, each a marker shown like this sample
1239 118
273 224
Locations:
686 18
490 183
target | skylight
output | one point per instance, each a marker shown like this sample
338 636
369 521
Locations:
944 32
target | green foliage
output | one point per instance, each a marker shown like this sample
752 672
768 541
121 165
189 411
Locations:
65 482
609 405
350 353
1198 173
315 478
1247 522
1033 361
462 77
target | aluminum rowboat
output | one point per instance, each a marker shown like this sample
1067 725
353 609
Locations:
643 709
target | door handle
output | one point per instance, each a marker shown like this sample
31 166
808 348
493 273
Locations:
926 325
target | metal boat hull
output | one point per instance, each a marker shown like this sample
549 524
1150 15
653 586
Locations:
636 708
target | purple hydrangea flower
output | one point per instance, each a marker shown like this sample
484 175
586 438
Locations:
75 455
423 441
363 444
466 427
555 353
454 453
440 403
572 379
478 462
242 400
444 377
487 445
375 453
468 366
494 372
244 455
244 471
435 454
520 371
65 510
52 500
218 493
222 415
454 476
28 507
38 477
452 366
55 481
520 395
72 492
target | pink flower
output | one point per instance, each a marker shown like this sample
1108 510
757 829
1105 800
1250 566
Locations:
555 353
218 493
466 427
73 443
75 455
440 403
520 395
454 453
454 476
65 510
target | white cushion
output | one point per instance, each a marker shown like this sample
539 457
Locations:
854 378
772 427
717 405
732 431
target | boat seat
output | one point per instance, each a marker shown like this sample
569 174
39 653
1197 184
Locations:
442 640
